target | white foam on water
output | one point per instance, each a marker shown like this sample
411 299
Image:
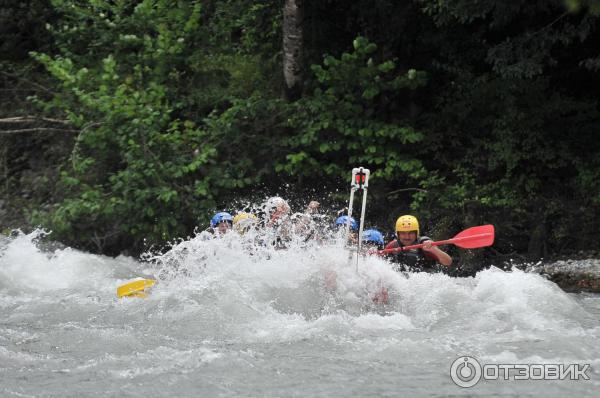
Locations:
162 360
217 300
24 267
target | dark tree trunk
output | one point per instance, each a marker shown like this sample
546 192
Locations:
536 248
292 49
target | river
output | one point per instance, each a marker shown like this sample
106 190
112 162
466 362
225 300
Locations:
221 322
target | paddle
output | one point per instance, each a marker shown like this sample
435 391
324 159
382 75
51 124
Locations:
136 288
470 238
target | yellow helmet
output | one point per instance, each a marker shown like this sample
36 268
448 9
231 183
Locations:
243 221
407 223
242 215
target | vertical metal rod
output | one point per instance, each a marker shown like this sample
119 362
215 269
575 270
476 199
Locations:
352 190
360 180
365 186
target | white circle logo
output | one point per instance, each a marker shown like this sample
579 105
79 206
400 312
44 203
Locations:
465 372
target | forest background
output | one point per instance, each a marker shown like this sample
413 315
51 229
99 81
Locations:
126 124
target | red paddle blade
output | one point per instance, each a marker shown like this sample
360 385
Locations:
474 237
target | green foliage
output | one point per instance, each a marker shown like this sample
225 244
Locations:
506 124
22 28
137 171
593 6
466 112
355 116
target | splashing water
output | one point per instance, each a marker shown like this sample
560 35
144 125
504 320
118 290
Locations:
229 318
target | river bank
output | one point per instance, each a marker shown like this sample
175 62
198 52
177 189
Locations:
572 275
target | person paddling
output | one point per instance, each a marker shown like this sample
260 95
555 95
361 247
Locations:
340 224
373 240
276 222
221 223
243 222
424 259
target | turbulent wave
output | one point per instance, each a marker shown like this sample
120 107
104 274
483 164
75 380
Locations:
231 313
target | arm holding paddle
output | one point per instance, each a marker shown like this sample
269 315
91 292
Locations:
470 238
441 256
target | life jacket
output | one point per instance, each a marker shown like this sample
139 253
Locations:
413 260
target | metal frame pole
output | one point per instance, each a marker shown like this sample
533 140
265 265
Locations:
360 180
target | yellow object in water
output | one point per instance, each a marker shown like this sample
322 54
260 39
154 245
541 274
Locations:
135 288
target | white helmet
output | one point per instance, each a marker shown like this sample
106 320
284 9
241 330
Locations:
276 203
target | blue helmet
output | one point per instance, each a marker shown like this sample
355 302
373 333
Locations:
220 217
373 236
343 220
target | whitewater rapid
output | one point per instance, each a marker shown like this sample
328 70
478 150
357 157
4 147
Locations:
224 320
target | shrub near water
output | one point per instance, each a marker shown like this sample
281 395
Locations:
145 167
135 169
179 115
